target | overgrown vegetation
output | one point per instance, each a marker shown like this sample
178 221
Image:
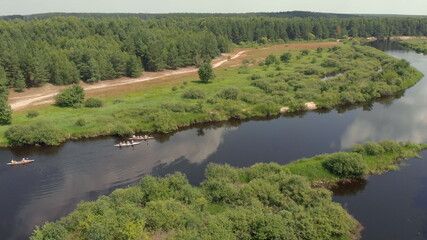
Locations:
260 202
264 201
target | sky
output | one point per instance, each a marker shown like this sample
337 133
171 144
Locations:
24 7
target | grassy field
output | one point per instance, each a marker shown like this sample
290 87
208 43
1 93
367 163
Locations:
257 88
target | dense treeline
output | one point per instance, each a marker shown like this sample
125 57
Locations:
63 50
260 202
289 14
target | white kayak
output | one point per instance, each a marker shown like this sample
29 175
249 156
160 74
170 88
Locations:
126 144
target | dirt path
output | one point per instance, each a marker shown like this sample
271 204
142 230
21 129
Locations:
45 95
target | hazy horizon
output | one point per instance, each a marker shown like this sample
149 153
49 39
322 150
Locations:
26 7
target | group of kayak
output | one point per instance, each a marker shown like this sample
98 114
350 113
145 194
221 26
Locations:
23 161
133 141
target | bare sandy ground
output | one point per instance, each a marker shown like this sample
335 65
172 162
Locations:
45 95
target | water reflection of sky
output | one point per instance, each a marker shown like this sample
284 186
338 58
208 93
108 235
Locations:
404 120
49 187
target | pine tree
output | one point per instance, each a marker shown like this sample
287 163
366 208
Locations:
20 82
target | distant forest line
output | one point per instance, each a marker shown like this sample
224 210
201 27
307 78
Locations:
63 50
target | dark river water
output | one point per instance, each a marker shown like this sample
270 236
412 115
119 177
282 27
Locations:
391 206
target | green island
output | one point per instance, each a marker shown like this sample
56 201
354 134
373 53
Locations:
264 201
418 44
284 81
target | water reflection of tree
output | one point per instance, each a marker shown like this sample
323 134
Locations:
349 188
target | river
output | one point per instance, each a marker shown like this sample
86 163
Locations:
391 206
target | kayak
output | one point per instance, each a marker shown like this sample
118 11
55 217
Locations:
20 162
141 138
127 144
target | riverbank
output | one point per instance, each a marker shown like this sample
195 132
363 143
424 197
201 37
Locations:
376 158
258 88
419 45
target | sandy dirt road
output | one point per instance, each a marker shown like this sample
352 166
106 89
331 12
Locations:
45 95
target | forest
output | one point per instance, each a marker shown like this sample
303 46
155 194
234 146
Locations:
64 50
264 201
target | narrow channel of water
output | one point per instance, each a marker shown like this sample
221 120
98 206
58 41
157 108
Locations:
83 170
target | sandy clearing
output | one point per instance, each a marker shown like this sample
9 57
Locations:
45 95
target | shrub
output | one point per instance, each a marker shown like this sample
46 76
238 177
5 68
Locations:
270 60
286 57
346 165
391 146
93 103
163 122
38 133
372 148
121 129
194 93
305 52
229 93
80 122
32 114
329 62
70 97
255 76
174 88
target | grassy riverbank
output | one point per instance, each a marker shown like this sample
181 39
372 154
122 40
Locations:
376 159
257 88
418 45
264 201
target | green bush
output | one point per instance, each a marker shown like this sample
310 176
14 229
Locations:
255 76
391 146
80 122
270 59
70 97
93 103
372 148
346 165
231 93
286 57
32 114
121 129
194 93
163 122
38 133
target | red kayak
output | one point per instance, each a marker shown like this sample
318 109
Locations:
20 162
141 138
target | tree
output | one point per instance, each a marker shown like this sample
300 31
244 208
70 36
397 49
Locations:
20 82
133 68
70 97
5 112
206 72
